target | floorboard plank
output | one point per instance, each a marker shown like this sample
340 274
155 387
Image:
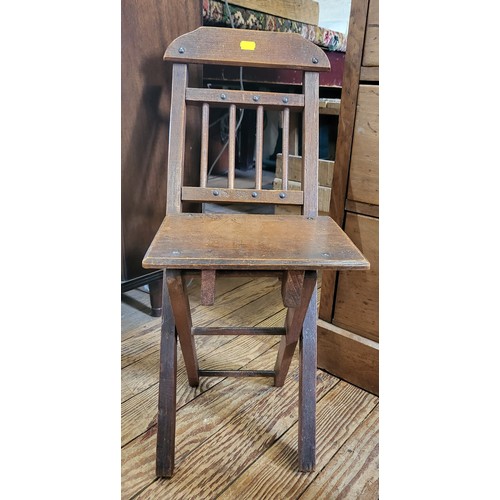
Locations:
353 471
224 455
142 362
207 414
228 303
139 412
275 473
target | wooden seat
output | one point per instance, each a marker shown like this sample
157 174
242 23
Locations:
293 247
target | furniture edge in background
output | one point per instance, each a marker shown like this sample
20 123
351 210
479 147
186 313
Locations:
348 329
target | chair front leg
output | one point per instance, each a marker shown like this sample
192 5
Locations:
165 444
307 388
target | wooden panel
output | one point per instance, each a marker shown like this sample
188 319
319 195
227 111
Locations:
147 27
325 170
370 52
369 73
305 11
263 49
245 99
348 356
356 305
363 175
357 25
247 241
362 208
348 102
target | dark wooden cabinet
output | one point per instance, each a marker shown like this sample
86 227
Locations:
348 328
148 26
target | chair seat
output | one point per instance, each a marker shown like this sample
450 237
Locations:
249 241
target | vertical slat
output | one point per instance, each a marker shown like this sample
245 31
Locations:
232 146
204 145
176 138
285 146
259 141
310 143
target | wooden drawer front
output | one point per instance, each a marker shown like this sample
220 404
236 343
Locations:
363 173
370 51
356 304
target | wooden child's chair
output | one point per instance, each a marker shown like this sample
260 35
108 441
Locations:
293 247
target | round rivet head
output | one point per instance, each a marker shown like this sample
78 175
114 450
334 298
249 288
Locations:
223 97
182 50
254 195
215 192
282 195
285 99
255 98
315 60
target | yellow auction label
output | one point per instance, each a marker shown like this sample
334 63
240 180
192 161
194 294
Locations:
246 45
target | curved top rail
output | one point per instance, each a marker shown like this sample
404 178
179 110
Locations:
241 47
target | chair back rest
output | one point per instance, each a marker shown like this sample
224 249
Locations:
246 48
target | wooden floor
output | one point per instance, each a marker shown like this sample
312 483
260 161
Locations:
237 438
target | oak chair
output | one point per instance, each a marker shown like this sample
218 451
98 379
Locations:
292 247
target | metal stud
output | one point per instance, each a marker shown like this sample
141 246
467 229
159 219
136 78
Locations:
255 98
215 192
285 99
282 195
182 50
223 97
254 195
315 60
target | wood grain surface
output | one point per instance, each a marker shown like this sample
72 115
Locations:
264 49
370 51
363 174
357 303
349 356
251 241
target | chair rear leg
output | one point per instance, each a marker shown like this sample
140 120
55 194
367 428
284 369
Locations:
307 388
165 444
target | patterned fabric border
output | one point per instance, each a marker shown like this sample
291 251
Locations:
215 13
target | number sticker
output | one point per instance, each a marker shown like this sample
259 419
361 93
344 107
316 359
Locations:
246 45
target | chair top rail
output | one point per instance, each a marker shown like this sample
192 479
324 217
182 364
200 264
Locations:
240 47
